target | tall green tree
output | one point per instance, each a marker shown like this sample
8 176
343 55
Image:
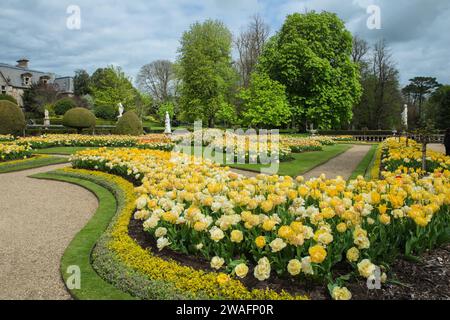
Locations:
311 57
265 103
81 82
205 70
38 96
417 91
110 86
381 102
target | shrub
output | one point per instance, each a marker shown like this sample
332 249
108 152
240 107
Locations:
8 98
64 105
12 119
129 124
79 118
106 112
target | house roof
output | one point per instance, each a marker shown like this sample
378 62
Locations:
13 75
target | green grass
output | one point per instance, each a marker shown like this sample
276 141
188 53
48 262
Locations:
31 163
78 253
302 162
61 150
363 167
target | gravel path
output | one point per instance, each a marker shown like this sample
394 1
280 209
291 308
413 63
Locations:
38 219
342 165
437 147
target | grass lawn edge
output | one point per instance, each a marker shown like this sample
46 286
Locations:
330 156
78 253
364 165
30 163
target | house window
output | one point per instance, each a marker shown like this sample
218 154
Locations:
44 79
26 79
3 89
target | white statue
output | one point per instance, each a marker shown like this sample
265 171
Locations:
405 116
46 118
121 110
168 129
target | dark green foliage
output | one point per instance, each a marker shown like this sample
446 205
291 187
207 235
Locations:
416 93
264 103
81 83
205 71
38 96
106 112
63 105
8 98
12 119
79 118
129 124
439 107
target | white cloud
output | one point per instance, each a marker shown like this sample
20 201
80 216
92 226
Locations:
132 33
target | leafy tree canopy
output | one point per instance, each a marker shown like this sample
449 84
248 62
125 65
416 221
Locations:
205 70
311 57
110 86
265 103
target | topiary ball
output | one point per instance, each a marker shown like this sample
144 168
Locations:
79 118
12 119
129 124
8 97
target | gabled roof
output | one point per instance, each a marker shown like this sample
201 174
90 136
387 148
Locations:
13 75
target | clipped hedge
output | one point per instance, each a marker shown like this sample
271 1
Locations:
129 124
79 118
7 97
12 119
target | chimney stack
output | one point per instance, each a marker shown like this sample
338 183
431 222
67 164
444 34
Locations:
23 63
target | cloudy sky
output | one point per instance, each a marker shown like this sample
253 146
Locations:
135 32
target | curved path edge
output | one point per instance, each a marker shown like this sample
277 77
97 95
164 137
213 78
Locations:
78 253
38 220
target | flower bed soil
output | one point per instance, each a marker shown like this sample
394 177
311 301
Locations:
427 280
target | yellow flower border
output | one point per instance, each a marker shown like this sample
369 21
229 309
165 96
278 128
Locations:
184 278
376 166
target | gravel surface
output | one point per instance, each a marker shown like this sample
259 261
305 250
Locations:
342 165
38 219
437 147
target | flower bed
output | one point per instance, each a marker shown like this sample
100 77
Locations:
299 145
155 141
249 148
342 138
12 151
401 158
270 225
162 278
6 137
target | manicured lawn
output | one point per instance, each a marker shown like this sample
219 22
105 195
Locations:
362 169
303 162
31 163
61 150
78 253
